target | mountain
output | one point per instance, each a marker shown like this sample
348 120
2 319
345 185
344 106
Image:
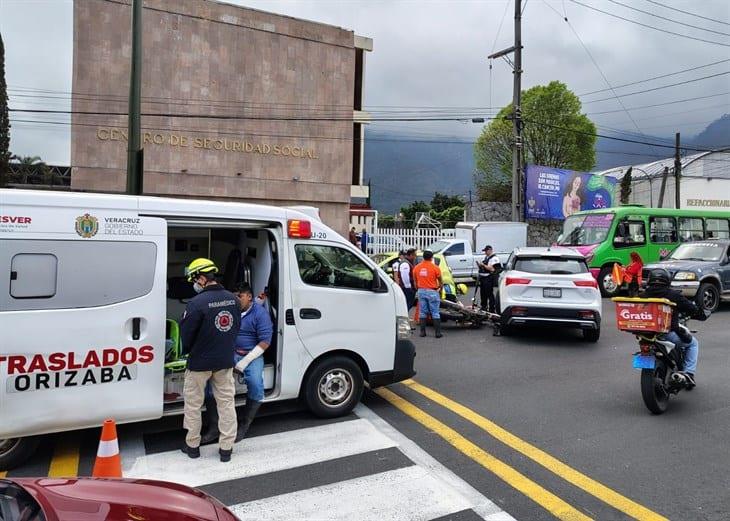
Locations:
716 135
402 169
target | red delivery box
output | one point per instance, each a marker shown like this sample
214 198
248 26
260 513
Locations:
643 314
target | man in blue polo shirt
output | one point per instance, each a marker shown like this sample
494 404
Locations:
254 337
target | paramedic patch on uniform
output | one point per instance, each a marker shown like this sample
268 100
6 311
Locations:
224 321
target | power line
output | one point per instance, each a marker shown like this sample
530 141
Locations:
243 117
655 77
665 31
668 19
662 87
687 12
595 63
660 104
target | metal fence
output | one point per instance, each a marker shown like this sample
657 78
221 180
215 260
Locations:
385 240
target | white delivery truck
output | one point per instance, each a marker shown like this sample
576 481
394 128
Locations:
94 289
470 238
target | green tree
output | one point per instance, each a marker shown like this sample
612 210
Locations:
555 134
4 121
626 187
30 170
450 216
409 212
441 202
386 221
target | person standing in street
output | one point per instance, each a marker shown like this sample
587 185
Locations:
254 337
405 277
364 241
208 331
488 271
395 266
428 282
353 236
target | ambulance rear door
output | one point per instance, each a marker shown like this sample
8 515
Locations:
82 317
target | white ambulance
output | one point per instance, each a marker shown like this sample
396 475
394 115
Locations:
94 288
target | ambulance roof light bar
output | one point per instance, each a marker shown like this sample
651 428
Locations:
299 229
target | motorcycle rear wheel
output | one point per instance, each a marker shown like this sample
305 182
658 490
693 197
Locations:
653 389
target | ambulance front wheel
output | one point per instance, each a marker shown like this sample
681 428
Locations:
16 451
333 387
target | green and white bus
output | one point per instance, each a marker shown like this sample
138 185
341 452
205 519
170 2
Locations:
609 235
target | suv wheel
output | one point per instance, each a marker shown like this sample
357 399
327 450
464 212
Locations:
592 335
708 297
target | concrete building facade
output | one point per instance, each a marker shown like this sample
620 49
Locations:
237 104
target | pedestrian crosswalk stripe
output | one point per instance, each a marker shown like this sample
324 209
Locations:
407 493
264 454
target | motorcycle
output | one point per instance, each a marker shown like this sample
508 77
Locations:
661 363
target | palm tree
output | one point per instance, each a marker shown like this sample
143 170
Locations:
27 168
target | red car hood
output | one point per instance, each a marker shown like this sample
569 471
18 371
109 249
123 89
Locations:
94 499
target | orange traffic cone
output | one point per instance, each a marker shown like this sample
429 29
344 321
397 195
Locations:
108 462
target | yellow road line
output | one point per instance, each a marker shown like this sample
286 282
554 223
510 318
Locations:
65 461
580 480
535 492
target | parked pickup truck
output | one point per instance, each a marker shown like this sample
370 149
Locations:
458 255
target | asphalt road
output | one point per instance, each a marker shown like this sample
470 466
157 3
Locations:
580 403
539 425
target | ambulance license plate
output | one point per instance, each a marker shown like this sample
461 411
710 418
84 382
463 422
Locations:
552 292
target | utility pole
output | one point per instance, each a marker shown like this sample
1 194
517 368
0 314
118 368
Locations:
135 157
517 214
517 204
665 174
677 170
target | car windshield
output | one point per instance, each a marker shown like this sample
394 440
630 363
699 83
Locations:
584 230
551 265
699 251
437 246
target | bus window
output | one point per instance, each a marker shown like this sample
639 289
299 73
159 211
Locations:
663 230
630 234
717 229
690 229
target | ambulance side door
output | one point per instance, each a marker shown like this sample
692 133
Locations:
82 319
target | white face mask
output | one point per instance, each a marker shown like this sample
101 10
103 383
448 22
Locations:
197 287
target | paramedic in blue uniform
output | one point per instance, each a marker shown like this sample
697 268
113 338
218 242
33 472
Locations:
254 337
208 331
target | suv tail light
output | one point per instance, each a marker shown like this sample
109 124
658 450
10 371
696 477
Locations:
516 280
518 311
586 315
586 283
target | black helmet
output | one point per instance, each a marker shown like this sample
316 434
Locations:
659 277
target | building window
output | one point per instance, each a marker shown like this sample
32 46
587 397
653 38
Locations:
663 230
717 228
690 229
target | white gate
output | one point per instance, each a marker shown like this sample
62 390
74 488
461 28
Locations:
386 240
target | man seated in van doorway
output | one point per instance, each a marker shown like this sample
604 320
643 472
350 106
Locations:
208 330
254 337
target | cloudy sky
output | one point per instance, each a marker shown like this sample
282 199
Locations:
433 54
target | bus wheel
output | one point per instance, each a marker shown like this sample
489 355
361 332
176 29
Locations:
16 451
606 283
334 387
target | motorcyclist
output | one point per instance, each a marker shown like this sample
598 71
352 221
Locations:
658 286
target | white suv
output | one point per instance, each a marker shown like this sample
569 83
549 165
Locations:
549 287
